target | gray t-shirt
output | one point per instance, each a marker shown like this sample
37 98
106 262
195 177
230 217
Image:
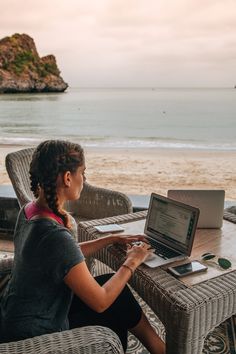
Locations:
36 300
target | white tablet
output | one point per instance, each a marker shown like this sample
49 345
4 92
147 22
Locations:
109 228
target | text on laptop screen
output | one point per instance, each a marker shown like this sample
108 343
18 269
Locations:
172 222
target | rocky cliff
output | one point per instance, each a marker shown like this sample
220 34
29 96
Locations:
22 70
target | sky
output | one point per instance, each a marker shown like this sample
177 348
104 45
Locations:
131 43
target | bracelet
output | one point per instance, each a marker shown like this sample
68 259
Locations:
128 267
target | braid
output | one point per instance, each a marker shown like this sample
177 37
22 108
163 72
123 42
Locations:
50 192
34 185
51 158
34 180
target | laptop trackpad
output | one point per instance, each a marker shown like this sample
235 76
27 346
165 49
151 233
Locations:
154 261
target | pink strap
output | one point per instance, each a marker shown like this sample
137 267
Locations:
32 210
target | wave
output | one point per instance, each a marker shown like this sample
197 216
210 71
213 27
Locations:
19 141
137 143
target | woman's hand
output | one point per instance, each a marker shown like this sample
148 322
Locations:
125 239
90 247
137 254
137 246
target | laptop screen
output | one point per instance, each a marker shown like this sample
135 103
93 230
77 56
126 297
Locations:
171 223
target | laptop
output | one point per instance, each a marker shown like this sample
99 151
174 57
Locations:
170 228
210 203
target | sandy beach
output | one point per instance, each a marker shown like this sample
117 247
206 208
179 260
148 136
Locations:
142 171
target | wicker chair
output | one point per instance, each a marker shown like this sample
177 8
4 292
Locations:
84 340
94 202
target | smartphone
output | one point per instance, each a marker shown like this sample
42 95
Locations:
188 268
109 228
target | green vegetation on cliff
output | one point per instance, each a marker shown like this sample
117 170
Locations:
26 60
22 61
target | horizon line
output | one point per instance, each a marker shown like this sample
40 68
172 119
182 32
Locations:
152 87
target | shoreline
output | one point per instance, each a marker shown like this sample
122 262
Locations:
118 147
141 171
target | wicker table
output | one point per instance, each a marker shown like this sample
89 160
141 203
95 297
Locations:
187 312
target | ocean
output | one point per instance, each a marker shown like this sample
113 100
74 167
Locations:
127 118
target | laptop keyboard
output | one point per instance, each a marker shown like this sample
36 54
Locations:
162 251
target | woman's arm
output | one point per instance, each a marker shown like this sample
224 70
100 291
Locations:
97 297
90 247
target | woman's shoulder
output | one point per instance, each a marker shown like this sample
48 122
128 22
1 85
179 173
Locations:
40 225
47 229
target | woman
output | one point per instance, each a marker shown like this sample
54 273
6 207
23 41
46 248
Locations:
51 288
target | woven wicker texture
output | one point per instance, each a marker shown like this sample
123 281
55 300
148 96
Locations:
94 202
230 214
85 340
188 314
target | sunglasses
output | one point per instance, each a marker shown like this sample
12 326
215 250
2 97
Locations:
222 262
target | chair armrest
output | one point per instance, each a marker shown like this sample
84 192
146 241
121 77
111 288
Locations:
97 203
6 264
84 340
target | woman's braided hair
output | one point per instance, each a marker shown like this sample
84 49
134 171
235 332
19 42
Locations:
50 159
